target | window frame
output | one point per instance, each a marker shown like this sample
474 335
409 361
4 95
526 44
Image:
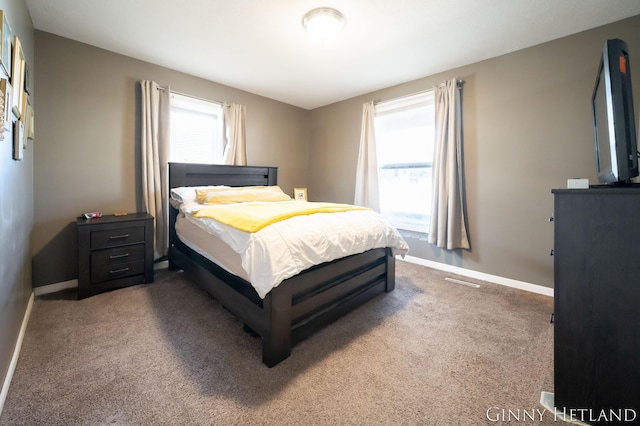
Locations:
408 220
182 103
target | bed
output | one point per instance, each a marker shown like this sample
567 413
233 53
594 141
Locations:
299 305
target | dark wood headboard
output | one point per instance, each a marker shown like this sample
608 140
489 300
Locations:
187 174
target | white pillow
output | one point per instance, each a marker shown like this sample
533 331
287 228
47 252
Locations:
242 194
187 194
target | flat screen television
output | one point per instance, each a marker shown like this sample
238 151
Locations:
613 117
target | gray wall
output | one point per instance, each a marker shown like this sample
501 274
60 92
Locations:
88 149
527 129
16 209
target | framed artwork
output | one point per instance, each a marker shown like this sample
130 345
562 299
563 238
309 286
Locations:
29 128
300 194
5 90
18 135
28 124
23 105
2 115
5 44
8 102
17 77
27 79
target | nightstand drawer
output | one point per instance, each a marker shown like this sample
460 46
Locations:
117 237
121 270
117 255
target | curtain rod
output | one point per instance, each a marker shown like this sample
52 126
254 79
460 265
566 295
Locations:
191 96
459 84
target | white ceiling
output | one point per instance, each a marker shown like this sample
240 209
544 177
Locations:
260 45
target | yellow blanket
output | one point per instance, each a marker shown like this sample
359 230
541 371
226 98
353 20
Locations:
252 217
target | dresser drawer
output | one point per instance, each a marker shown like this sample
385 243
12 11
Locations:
120 270
117 237
116 255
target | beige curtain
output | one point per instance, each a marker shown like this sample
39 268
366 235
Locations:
448 220
235 152
367 193
155 154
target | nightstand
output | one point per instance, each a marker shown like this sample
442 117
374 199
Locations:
114 252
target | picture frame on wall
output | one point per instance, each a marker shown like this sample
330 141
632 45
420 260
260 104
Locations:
2 108
28 124
23 105
27 79
17 78
18 135
29 128
5 44
5 88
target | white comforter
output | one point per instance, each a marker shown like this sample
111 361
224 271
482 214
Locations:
286 248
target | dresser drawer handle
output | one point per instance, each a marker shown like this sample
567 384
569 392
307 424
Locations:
117 271
117 237
118 256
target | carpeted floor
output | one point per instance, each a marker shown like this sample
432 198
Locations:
432 352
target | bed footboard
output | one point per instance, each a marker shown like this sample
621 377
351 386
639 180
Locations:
306 303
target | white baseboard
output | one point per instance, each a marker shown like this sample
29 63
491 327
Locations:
52 288
16 353
521 285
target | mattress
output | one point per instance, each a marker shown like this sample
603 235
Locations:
210 246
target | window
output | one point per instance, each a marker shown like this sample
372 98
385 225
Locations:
405 133
196 130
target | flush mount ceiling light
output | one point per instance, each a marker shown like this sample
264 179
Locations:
323 24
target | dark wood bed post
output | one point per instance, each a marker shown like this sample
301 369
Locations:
173 236
276 344
391 271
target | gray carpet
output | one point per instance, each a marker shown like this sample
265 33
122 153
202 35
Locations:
432 352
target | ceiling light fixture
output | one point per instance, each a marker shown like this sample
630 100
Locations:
323 24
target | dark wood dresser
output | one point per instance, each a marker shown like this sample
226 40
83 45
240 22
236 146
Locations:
597 300
114 252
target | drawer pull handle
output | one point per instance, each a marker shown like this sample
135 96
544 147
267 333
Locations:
118 237
118 256
117 271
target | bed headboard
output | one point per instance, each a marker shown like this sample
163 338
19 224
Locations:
187 174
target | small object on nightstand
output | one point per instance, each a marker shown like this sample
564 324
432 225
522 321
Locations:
578 183
114 252
300 194
93 215
119 214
